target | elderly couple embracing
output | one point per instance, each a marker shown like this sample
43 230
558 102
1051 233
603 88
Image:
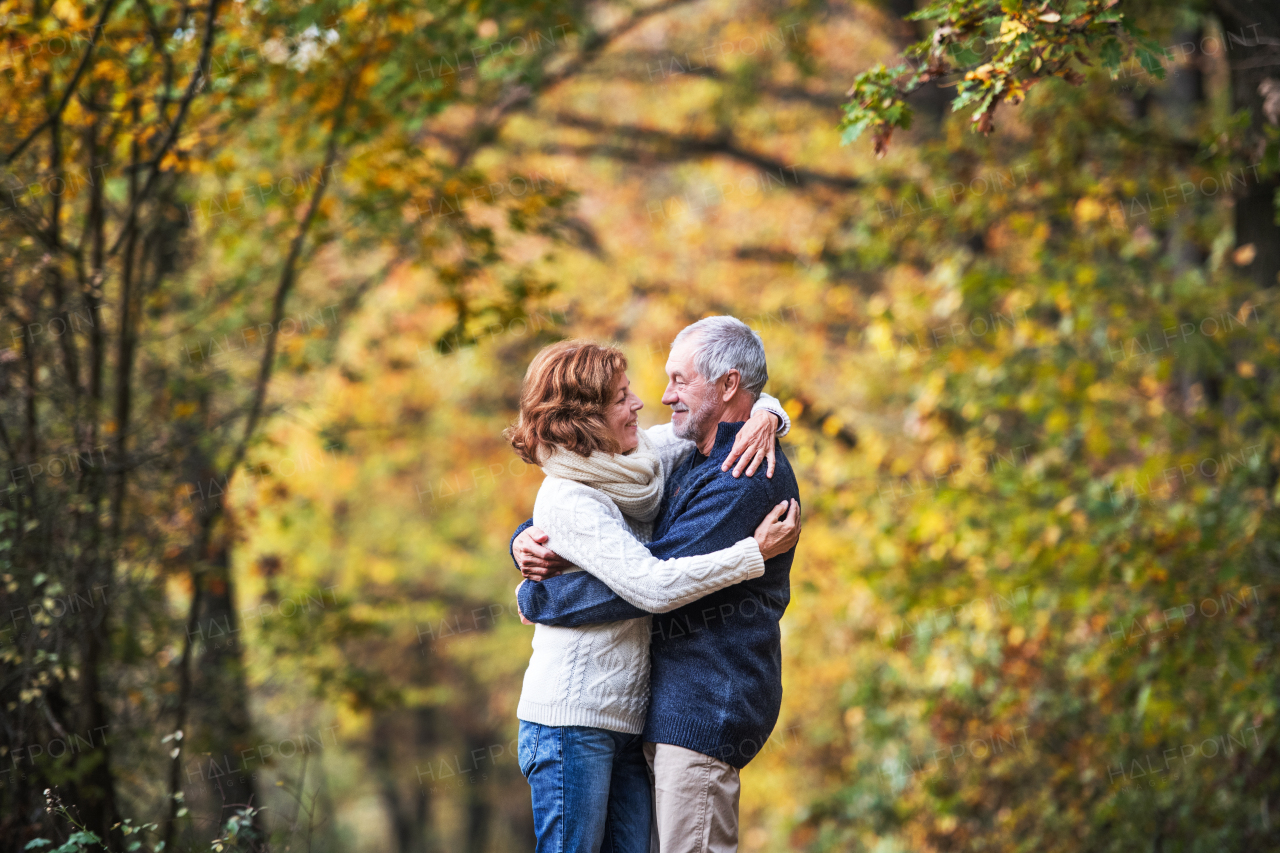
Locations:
657 575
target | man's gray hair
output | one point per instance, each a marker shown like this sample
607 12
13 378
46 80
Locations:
726 343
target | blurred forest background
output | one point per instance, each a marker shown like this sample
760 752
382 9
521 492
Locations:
271 273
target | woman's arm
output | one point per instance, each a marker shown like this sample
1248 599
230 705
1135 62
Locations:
757 441
768 403
583 529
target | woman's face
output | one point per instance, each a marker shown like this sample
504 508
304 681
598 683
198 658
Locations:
621 415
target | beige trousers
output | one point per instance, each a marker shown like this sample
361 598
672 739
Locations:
695 801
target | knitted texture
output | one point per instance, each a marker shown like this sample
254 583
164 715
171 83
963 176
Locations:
717 662
598 675
633 481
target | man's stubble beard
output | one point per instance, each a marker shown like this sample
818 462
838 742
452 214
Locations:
696 421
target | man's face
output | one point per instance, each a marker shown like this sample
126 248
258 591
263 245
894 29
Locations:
695 403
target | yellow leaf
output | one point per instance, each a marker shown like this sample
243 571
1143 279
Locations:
982 72
1244 255
1089 209
1010 29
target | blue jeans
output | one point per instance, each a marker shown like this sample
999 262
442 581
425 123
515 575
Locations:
591 790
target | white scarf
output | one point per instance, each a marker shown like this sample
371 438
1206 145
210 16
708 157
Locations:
633 480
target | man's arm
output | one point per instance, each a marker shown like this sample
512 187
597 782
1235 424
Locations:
514 536
540 563
531 555
573 600
723 512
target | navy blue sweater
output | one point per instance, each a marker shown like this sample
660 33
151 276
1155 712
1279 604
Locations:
716 675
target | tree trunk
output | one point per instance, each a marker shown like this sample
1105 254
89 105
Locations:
1251 39
408 816
221 694
1184 97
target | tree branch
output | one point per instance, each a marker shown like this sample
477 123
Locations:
287 276
157 37
782 92
521 97
71 87
193 87
674 147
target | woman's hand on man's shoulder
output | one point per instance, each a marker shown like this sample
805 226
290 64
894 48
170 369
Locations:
756 442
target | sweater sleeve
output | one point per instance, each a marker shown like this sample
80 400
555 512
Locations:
572 600
511 547
583 527
723 510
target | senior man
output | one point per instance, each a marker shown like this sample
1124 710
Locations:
716 677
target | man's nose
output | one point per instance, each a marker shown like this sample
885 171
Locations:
669 396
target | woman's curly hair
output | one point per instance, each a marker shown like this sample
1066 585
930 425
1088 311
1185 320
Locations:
566 391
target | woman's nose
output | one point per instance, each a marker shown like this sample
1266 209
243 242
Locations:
637 404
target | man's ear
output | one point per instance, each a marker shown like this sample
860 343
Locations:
731 382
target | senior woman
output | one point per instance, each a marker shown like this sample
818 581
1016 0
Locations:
586 690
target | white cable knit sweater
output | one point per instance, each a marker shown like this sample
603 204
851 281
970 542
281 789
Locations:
598 675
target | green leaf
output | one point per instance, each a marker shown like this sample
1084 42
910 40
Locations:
853 131
930 13
1151 63
961 54
1111 54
